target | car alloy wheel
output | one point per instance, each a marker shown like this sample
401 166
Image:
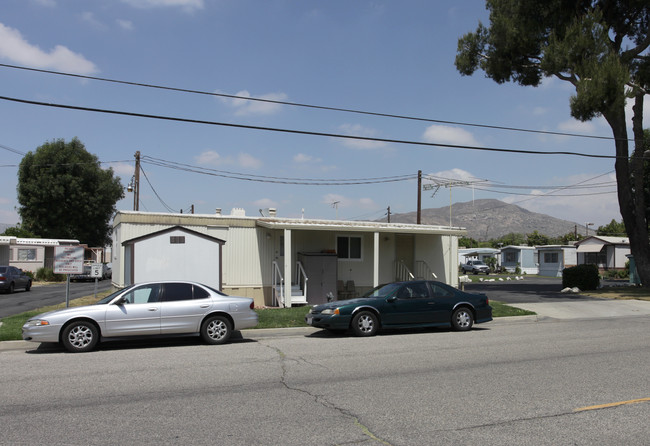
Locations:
80 336
216 330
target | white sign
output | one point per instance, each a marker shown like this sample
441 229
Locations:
68 260
96 270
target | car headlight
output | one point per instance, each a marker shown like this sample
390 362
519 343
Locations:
36 323
330 311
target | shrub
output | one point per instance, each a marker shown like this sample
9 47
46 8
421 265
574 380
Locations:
47 275
584 277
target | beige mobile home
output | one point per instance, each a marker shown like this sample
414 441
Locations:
281 261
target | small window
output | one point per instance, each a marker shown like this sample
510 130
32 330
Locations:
348 247
177 291
550 257
177 239
26 254
511 256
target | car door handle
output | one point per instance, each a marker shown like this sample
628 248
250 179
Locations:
153 309
204 305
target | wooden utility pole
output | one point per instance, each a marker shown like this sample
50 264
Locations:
419 219
136 183
388 210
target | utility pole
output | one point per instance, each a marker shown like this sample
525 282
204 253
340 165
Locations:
419 218
388 210
136 183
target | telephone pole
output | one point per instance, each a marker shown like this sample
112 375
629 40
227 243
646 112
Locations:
419 217
136 183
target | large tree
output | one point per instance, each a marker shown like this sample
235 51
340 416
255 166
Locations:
64 193
601 48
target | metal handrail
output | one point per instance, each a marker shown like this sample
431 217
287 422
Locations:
424 270
300 271
277 272
402 272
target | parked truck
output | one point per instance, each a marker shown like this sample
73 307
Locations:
475 267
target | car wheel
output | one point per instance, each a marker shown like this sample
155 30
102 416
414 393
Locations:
365 323
11 288
29 286
462 319
216 330
80 336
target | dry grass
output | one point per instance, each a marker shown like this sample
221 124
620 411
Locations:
620 292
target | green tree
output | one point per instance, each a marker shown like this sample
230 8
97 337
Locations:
598 46
614 228
19 231
537 239
511 239
64 193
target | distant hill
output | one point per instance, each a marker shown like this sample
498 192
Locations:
490 219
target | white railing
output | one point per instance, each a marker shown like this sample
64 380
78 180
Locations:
402 272
278 280
301 278
423 270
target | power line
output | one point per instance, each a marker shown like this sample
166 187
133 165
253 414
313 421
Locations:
309 133
154 191
312 106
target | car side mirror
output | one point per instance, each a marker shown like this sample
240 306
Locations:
391 299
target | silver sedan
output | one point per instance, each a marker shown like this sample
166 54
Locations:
152 308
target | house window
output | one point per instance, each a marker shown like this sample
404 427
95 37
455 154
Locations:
26 254
596 258
511 256
177 239
348 247
550 257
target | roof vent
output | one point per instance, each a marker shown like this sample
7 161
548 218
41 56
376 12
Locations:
218 211
238 212
273 212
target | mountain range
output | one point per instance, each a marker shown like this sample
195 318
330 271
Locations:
488 219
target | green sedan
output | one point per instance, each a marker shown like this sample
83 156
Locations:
418 303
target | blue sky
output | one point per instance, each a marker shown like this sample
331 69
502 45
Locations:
377 56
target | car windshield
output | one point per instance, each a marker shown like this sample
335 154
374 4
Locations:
382 290
112 296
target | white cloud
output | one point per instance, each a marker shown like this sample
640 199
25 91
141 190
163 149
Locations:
89 18
443 134
581 208
249 161
359 130
266 203
245 107
16 49
125 24
123 170
301 158
454 174
187 5
575 126
244 160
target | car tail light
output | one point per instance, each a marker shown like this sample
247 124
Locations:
3 278
252 306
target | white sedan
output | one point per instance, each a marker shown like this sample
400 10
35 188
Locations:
151 308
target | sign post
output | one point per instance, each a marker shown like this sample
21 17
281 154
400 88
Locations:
68 260
96 272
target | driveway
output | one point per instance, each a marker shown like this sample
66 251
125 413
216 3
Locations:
543 296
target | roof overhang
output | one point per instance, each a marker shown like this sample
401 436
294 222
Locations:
591 247
358 226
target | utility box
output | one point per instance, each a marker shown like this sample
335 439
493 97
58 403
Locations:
321 270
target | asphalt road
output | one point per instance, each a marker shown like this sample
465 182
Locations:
505 382
44 295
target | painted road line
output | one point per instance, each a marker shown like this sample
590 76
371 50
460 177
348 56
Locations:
605 406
